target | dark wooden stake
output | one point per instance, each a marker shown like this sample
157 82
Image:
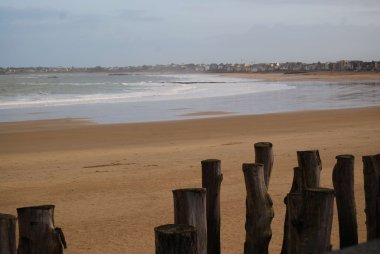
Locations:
37 234
211 180
296 187
7 234
371 170
343 180
176 239
259 210
190 209
264 155
310 221
311 166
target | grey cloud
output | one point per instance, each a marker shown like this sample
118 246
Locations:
9 14
137 15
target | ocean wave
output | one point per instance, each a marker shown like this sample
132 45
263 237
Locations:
173 87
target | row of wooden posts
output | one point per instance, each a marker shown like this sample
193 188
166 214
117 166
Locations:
309 207
196 228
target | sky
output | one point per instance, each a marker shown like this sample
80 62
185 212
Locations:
137 32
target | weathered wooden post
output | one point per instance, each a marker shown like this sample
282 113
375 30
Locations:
259 212
310 215
264 155
37 233
190 209
176 239
311 166
296 188
343 180
7 234
371 170
211 180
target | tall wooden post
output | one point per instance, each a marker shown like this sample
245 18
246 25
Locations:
7 234
371 170
296 188
211 180
176 238
259 212
37 234
264 155
343 180
310 215
311 166
190 209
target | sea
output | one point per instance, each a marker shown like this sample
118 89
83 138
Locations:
105 98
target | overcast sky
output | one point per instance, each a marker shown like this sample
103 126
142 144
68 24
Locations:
136 32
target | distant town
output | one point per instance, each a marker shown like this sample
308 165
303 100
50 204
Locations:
288 67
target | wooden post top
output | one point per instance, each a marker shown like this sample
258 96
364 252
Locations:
40 207
263 144
7 216
195 190
210 161
344 156
252 166
171 229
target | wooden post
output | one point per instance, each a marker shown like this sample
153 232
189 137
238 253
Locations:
7 234
259 213
311 166
264 155
310 217
343 180
211 180
296 187
176 239
190 209
37 234
371 170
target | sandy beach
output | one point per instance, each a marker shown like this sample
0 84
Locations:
111 184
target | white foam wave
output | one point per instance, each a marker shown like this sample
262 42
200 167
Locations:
195 86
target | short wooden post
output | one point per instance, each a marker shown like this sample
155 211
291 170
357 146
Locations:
264 155
310 217
211 180
190 209
296 187
311 166
176 239
343 180
259 212
37 233
7 234
371 170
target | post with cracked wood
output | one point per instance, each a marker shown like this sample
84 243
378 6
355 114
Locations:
296 188
211 180
259 210
371 170
37 232
343 181
310 220
176 238
190 209
7 234
264 155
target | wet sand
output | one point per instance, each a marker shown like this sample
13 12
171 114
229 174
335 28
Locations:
111 184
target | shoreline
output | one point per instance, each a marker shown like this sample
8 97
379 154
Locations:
308 76
116 171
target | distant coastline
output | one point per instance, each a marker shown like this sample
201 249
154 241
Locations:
286 68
